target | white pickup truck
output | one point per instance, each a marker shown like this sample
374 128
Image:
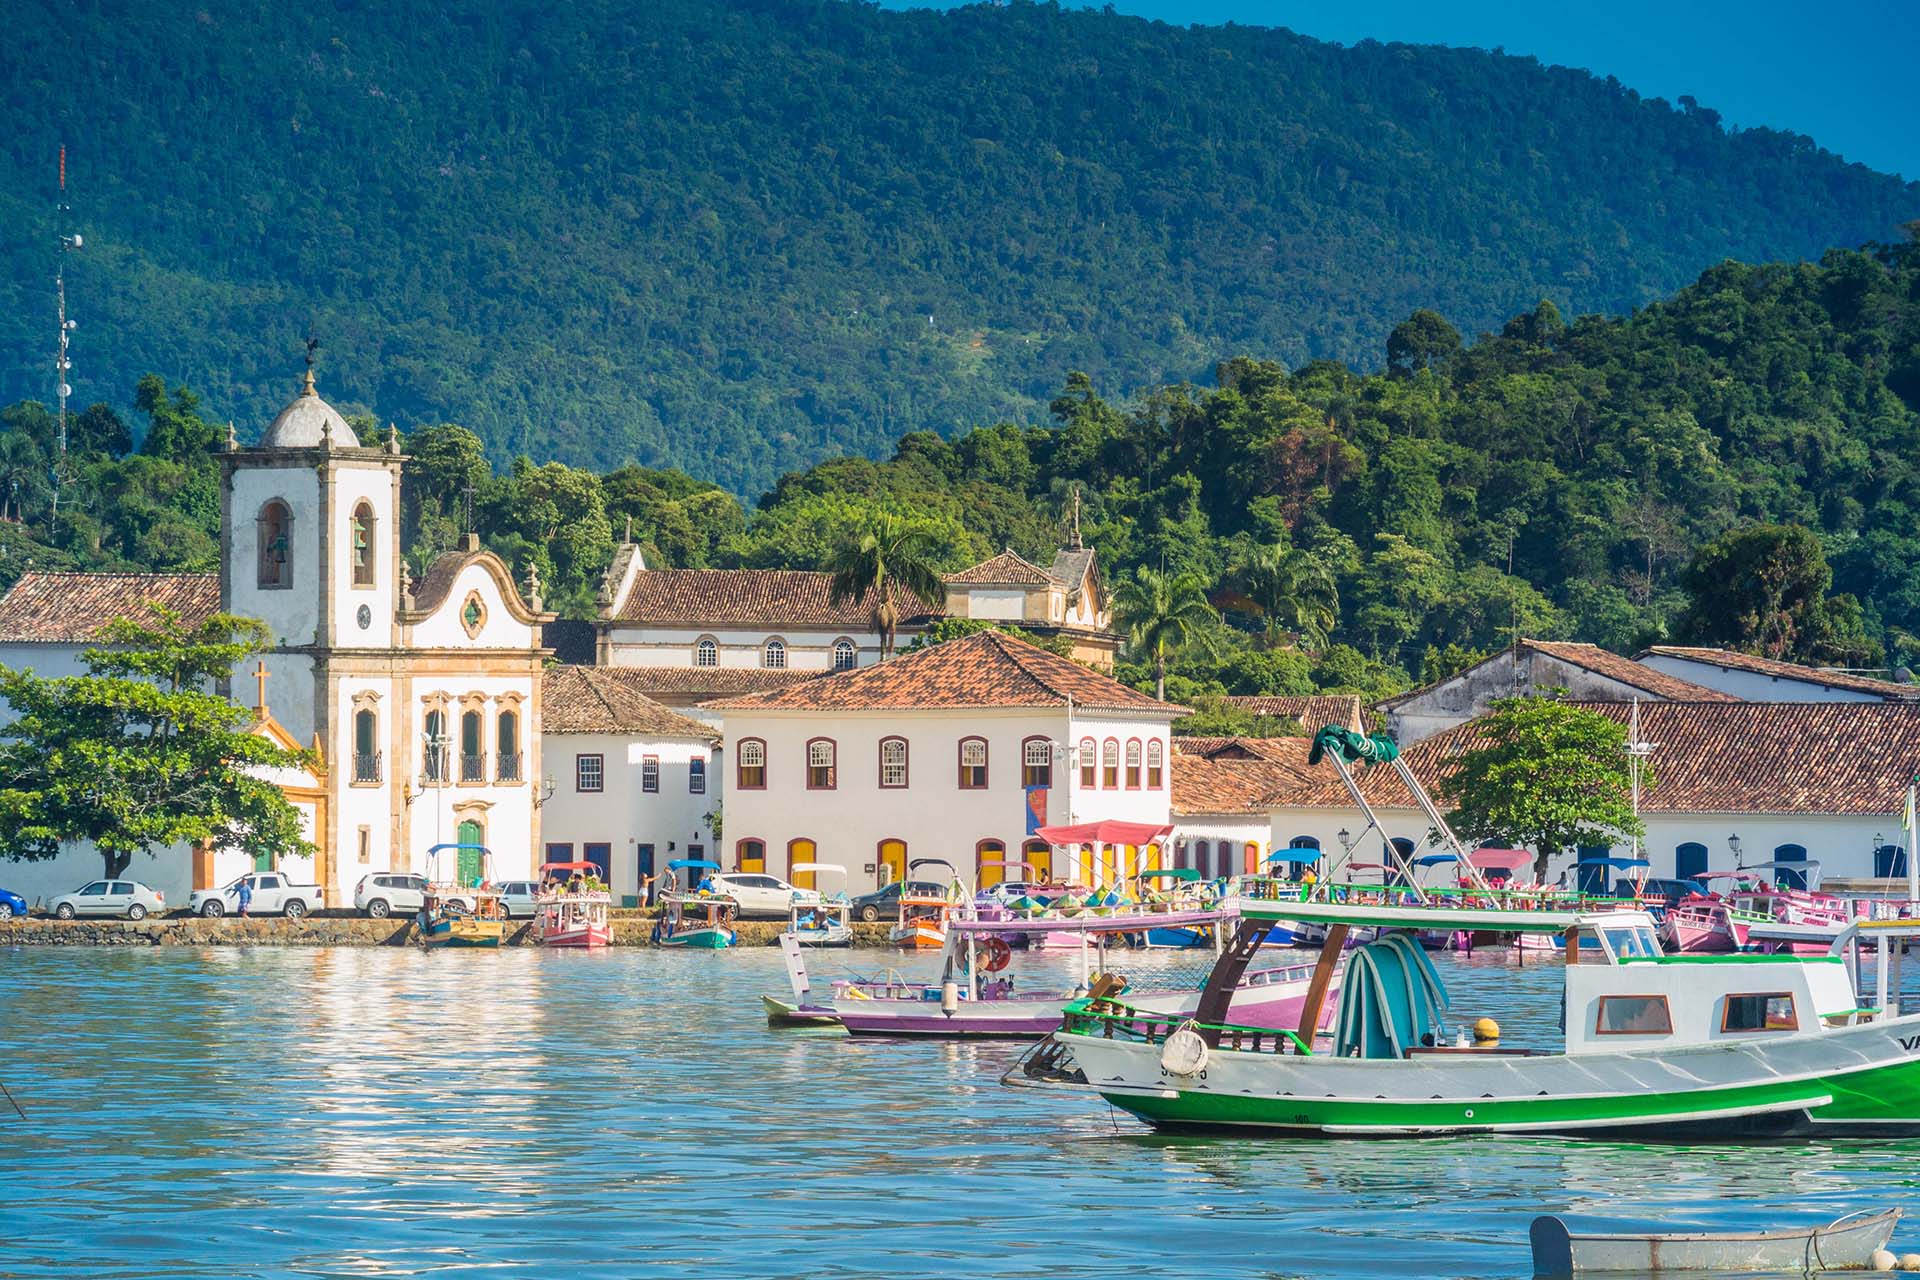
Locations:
273 895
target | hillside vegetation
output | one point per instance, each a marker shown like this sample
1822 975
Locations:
740 236
1612 480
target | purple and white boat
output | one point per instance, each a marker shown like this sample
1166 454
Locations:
977 997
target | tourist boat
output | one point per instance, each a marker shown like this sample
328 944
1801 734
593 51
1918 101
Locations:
977 996
1161 892
924 918
691 916
1655 1044
1845 1244
460 907
572 910
828 922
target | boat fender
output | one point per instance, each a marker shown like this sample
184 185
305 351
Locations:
1883 1260
949 997
1910 1262
1184 1053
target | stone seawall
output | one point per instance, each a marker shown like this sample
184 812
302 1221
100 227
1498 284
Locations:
629 930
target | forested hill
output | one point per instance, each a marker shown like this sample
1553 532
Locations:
740 235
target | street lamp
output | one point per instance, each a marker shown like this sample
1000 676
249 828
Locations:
1733 843
1345 838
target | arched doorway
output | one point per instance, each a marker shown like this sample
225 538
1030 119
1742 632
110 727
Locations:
1787 877
1297 869
1689 860
893 861
1249 858
1150 860
1203 858
751 855
988 857
1391 875
1889 862
799 851
1089 873
1039 856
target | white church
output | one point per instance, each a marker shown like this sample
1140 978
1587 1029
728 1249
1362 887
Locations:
421 700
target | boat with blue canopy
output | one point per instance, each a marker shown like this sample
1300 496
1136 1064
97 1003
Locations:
460 906
694 918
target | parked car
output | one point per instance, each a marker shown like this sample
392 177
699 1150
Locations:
383 893
516 897
11 905
886 902
274 894
760 895
127 898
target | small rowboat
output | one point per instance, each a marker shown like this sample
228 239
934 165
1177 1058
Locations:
1845 1243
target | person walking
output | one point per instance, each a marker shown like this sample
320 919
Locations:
246 894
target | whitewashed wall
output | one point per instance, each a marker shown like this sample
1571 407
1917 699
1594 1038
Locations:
624 815
1751 686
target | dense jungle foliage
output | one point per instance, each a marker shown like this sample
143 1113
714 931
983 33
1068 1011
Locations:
737 237
1738 464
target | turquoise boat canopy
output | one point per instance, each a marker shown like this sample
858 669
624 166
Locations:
1300 856
1618 864
1172 873
682 864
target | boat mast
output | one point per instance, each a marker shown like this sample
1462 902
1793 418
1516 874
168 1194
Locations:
1638 752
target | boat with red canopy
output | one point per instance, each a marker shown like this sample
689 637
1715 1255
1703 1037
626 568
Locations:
571 908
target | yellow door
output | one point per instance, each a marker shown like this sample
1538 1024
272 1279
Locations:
1039 856
987 857
893 860
1152 861
1089 866
753 856
799 851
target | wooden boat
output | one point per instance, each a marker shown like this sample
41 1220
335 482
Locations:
1844 1244
454 912
698 921
923 921
828 922
1659 1045
572 910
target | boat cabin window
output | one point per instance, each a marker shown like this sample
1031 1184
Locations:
1766 1011
1633 1016
1629 943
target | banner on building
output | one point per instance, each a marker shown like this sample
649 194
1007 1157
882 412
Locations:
1036 807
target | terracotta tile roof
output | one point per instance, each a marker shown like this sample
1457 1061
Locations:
1224 786
1732 661
1601 662
1709 757
1005 569
985 669
1314 712
604 700
69 608
1284 750
750 597
713 682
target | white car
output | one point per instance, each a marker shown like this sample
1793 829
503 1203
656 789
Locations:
127 898
760 895
273 895
385 893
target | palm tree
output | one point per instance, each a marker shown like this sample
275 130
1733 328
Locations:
1163 612
889 558
22 468
1293 588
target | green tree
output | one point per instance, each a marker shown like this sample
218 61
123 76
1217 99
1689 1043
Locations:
1763 589
139 754
1292 588
1164 613
1424 340
889 562
1546 776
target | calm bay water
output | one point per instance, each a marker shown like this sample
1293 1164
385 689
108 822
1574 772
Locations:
387 1112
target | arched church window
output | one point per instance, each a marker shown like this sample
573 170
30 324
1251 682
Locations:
507 755
473 759
363 541
434 746
366 746
276 537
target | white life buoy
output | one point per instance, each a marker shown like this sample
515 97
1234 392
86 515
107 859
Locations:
1184 1053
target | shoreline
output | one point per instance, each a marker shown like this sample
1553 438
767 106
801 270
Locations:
632 930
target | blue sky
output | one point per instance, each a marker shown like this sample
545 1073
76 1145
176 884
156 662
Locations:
1842 73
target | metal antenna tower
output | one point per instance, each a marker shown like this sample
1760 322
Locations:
63 367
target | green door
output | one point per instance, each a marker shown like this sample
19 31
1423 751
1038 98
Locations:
469 838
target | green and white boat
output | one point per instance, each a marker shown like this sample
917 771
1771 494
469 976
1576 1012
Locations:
1656 1045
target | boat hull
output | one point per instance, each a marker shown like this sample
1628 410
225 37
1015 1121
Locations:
838 936
1856 1079
584 936
1847 1243
917 937
701 939
464 933
785 1013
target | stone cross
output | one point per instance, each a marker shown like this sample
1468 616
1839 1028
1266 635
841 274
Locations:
260 699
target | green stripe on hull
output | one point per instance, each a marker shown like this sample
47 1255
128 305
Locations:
1882 1095
1481 1115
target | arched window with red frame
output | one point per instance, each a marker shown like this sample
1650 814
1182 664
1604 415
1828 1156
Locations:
1156 759
1089 762
973 764
1110 765
893 763
823 764
1036 763
1133 764
750 764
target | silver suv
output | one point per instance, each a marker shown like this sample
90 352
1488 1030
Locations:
384 893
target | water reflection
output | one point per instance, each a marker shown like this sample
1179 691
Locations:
384 1112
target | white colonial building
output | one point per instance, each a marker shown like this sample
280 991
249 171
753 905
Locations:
959 751
421 701
636 785
1756 679
1734 783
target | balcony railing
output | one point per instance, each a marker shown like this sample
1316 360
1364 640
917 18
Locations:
473 768
507 765
366 767
433 768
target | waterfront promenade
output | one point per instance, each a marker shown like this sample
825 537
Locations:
321 929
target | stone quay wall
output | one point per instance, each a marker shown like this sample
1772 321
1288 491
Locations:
629 930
